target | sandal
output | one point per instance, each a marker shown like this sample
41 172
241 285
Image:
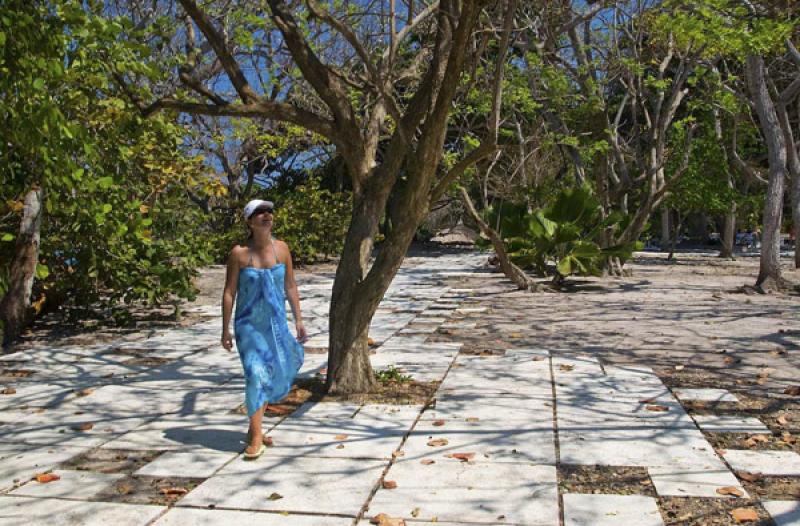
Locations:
253 456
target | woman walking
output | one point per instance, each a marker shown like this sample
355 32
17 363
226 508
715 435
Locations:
260 278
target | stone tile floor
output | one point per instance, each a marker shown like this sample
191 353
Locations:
487 452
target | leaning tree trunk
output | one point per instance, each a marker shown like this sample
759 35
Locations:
796 217
15 305
512 271
769 274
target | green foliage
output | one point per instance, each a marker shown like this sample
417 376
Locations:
391 374
115 226
566 233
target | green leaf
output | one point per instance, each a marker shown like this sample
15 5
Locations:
564 266
105 182
38 84
42 271
7 237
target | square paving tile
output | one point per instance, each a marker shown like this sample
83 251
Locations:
610 510
346 438
192 517
292 484
783 512
198 463
80 485
219 432
730 424
21 511
494 440
779 463
24 465
705 395
696 481
460 492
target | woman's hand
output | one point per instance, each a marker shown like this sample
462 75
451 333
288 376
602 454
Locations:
227 340
302 335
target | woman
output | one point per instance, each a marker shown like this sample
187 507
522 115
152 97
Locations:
261 275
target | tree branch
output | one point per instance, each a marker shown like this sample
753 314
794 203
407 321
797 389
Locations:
459 168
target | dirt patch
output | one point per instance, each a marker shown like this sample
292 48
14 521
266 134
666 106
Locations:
616 480
773 488
162 491
111 460
756 442
697 511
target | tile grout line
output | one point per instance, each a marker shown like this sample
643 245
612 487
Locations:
556 442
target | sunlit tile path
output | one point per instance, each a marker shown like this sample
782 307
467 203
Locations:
488 450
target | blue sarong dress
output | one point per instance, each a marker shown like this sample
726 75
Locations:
270 354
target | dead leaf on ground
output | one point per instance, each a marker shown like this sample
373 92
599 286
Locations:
463 457
383 519
792 390
340 446
123 488
783 420
566 367
84 392
741 515
389 484
86 426
400 453
9 391
657 408
749 477
436 442
44 478
427 461
370 342
538 358
174 492
275 496
340 437
788 438
730 490
438 423
415 512
472 419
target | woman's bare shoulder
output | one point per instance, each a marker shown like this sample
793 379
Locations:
238 254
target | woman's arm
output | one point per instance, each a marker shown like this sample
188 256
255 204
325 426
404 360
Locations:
290 288
228 296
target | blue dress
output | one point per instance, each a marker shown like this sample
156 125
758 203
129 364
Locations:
270 355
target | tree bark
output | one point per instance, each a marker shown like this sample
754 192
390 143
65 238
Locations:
796 217
512 271
16 304
769 274
728 237
666 238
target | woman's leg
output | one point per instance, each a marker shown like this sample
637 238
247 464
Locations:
255 435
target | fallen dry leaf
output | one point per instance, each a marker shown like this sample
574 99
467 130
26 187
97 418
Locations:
415 512
566 367
84 392
741 515
370 342
792 390
382 519
730 490
174 492
86 426
9 391
783 420
472 419
438 423
281 409
340 446
427 461
44 478
648 400
657 408
749 477
400 453
275 496
340 437
754 440
788 438
435 442
389 484
463 457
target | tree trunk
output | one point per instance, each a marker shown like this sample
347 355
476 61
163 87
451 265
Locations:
512 272
666 236
796 217
769 274
728 237
15 305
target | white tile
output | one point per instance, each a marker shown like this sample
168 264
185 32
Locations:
783 512
610 510
696 481
778 463
200 463
705 395
730 424
20 511
24 465
193 517
73 484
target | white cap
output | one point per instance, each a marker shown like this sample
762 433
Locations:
253 205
